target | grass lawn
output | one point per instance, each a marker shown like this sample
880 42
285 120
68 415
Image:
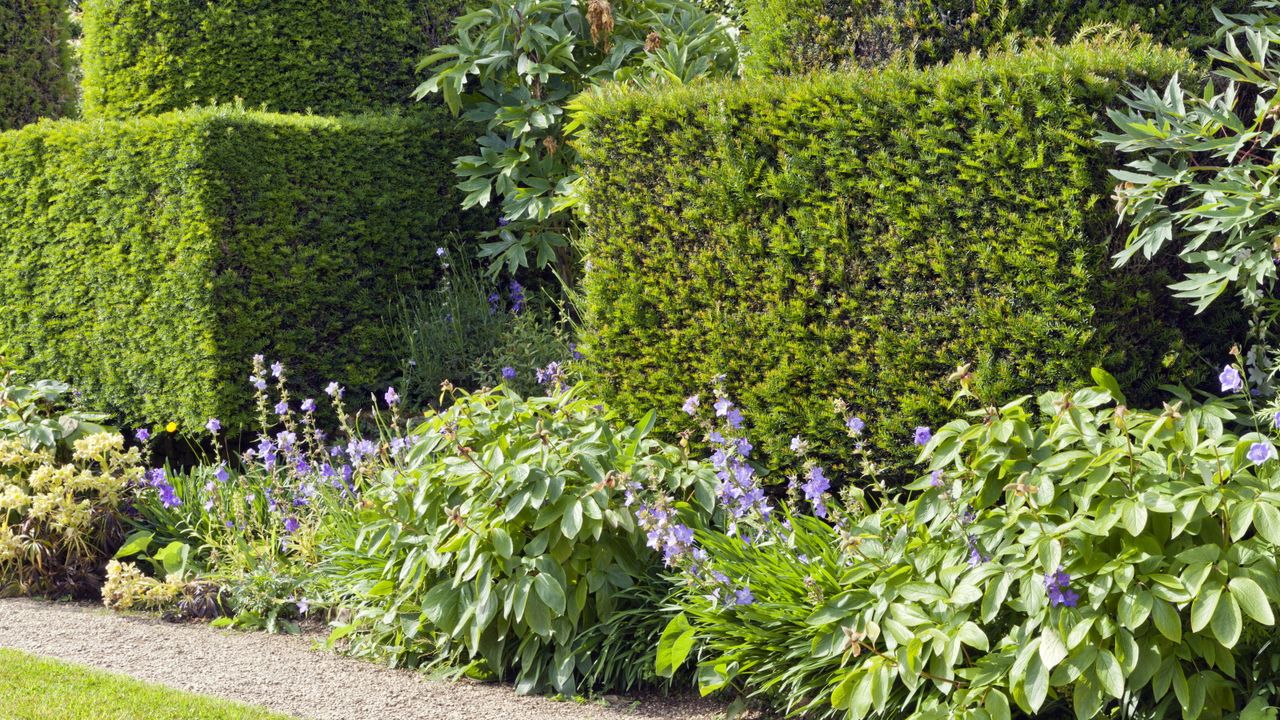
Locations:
33 688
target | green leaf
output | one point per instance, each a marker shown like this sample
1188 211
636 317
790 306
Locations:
1108 673
551 593
997 705
1204 605
1036 683
1227 622
571 523
1167 620
1052 651
501 540
1266 518
137 542
1253 601
674 645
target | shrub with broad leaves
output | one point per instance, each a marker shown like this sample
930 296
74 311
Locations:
506 539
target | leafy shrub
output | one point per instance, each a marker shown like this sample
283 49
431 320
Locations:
328 58
257 525
1202 176
43 416
1085 556
127 588
858 234
505 539
516 64
35 77
796 36
60 522
474 333
143 260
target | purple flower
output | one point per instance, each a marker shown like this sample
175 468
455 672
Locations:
691 405
142 435
508 373
168 497
517 297
723 406
391 396
257 382
923 435
309 405
1057 586
282 408
734 418
814 490
303 606
213 426
1231 380
495 301
1276 420
573 352
1261 452
743 596
291 525
552 375
440 252
334 390
935 478
277 369
157 477
221 473
855 425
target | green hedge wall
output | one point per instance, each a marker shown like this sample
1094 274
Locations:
147 260
35 79
861 235
289 55
791 36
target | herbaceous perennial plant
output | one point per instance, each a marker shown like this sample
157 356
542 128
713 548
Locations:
1070 553
259 525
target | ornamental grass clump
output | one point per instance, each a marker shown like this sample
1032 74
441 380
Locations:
60 521
506 541
1069 555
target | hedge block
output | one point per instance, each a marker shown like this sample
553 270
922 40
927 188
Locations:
796 36
860 235
35 80
289 55
147 260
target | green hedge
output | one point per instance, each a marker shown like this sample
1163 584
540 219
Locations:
790 36
146 260
289 55
860 235
35 81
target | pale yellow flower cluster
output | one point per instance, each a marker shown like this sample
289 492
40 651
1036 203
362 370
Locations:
127 588
63 499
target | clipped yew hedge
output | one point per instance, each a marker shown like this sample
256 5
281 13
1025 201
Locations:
790 36
147 260
287 55
35 79
860 235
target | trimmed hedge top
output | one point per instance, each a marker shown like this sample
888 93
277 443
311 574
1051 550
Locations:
288 55
796 36
147 260
35 80
858 236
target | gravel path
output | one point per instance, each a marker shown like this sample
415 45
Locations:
284 673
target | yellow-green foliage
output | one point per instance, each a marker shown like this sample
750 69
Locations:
860 235
127 588
147 260
289 55
58 520
787 36
35 80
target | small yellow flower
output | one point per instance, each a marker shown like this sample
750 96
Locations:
172 427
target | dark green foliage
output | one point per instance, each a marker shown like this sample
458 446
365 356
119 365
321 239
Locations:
146 260
289 55
787 36
858 236
34 78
